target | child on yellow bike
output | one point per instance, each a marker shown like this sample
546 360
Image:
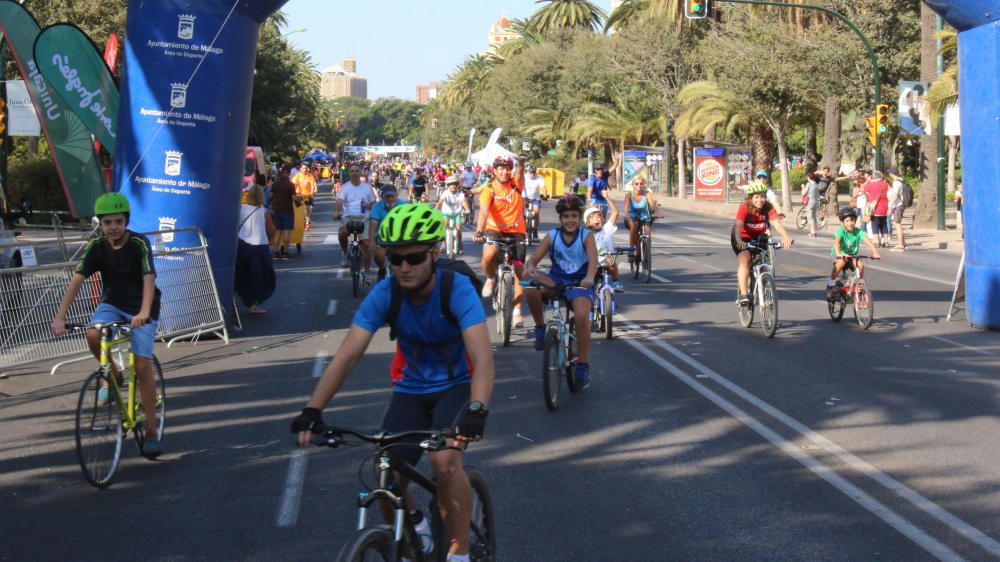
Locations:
574 261
125 262
846 243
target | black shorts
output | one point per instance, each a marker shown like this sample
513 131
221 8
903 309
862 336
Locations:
519 250
761 240
412 412
308 201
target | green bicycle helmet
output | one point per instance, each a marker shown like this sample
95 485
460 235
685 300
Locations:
756 187
110 204
411 224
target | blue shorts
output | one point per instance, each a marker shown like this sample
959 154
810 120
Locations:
142 337
571 294
284 222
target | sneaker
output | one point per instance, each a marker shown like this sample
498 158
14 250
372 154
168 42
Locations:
518 319
582 375
151 448
539 338
744 299
488 288
308 226
617 286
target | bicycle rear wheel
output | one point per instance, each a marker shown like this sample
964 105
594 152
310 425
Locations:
371 544
647 259
482 536
99 432
507 305
355 272
161 408
864 305
551 367
768 305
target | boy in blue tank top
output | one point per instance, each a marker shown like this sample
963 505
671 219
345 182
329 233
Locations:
574 261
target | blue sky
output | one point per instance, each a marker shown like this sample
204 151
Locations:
398 43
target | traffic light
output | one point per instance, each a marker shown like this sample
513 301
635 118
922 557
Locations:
882 114
696 9
872 129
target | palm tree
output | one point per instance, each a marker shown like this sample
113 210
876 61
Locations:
925 215
464 87
563 14
944 93
627 12
527 36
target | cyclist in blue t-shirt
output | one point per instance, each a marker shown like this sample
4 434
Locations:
442 373
389 199
597 184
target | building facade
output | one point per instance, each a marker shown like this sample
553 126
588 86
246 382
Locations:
343 80
427 92
499 34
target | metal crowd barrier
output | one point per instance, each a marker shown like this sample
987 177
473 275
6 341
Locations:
30 297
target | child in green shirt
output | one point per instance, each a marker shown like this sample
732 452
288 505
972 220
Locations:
846 243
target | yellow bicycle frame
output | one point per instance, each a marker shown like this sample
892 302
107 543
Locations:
130 421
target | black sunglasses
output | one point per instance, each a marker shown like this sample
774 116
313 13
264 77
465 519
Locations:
412 259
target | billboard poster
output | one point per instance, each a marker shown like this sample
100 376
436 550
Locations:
739 168
184 114
22 121
710 174
914 116
634 166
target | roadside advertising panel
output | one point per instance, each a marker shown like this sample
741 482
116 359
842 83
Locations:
710 174
634 166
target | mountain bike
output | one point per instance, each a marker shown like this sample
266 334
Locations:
392 542
559 355
822 214
641 260
104 418
503 293
531 222
604 297
763 293
852 289
355 254
468 215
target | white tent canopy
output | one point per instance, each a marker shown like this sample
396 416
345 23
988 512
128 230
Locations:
491 152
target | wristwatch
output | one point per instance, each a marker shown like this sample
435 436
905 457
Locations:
478 407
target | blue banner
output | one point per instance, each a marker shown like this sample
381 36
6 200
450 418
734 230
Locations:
183 118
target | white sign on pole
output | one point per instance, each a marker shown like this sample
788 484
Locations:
21 118
952 121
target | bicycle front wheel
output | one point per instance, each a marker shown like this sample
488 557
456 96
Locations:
450 242
482 525
551 369
745 312
161 407
608 311
636 262
768 305
373 544
507 305
836 308
864 305
99 431
647 259
570 352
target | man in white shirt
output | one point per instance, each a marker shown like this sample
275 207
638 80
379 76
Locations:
353 203
896 207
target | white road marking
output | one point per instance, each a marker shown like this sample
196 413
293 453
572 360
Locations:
340 273
331 308
660 279
319 363
871 504
963 346
288 508
699 262
331 239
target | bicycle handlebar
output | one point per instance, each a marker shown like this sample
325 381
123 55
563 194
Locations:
558 286
334 437
120 324
858 257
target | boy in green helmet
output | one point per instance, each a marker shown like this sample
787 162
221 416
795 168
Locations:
125 262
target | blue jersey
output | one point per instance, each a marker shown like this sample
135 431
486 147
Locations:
569 261
598 184
419 366
379 211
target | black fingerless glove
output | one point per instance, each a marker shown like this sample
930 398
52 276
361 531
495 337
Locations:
311 419
471 425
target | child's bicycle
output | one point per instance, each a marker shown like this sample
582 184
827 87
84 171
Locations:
392 542
103 418
852 289
559 356
605 307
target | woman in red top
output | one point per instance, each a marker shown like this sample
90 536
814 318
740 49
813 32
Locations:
753 219
877 192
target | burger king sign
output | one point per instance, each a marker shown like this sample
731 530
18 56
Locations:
710 173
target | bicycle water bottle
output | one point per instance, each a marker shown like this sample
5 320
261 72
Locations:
423 529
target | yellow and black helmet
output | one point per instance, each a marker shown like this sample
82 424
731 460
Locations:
411 224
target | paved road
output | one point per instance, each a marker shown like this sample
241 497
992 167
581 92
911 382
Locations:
698 439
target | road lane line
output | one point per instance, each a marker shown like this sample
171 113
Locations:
288 508
660 279
331 308
963 346
340 273
876 508
927 506
319 363
331 239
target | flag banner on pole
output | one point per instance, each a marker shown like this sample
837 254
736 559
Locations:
74 68
71 143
